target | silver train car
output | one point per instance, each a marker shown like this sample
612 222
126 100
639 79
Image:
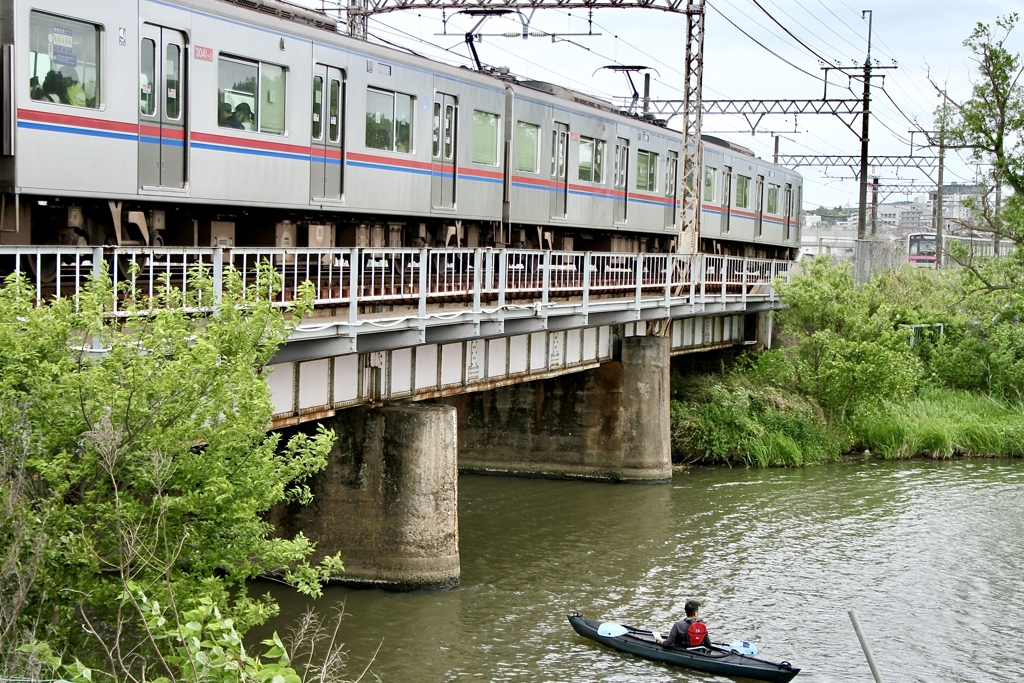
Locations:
255 123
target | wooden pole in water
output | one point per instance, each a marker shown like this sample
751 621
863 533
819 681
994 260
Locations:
864 646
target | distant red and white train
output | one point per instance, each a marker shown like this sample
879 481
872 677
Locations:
255 123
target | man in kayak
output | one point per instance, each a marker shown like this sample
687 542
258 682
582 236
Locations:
690 632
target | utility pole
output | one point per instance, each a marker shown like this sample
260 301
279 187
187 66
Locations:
874 206
865 118
939 219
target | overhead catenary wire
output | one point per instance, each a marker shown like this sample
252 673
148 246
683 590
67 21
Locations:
807 47
778 33
807 30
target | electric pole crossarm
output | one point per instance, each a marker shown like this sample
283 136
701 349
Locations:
794 160
383 6
674 107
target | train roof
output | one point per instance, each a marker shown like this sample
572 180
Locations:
571 95
731 146
289 12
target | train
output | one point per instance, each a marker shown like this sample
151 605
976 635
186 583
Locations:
922 247
257 123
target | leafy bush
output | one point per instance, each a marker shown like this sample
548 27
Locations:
848 347
147 464
732 419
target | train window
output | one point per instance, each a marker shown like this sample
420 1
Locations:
646 171
334 123
449 132
773 199
270 115
591 160
317 124
559 147
710 173
485 138
527 147
787 207
671 168
237 81
63 60
172 87
671 188
437 131
147 76
742 192
621 163
250 95
389 120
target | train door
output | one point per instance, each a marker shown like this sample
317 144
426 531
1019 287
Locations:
559 160
726 198
671 188
163 137
620 179
443 153
327 134
759 206
787 206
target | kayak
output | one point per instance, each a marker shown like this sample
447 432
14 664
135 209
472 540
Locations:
717 660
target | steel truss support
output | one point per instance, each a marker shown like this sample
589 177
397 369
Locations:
689 223
755 110
925 164
689 234
675 107
383 6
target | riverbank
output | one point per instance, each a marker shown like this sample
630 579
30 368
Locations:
734 419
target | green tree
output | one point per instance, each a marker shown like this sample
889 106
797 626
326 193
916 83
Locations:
983 352
138 468
850 346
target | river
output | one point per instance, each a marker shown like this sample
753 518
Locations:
927 553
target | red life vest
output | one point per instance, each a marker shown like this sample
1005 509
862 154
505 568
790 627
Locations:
696 632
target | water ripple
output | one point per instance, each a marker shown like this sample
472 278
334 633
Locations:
927 553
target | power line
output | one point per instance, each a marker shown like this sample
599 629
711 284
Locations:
797 22
765 47
791 34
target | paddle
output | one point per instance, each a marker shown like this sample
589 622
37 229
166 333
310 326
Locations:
611 629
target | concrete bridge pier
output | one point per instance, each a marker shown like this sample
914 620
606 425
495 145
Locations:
388 499
609 423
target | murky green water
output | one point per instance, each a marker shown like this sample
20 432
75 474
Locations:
929 554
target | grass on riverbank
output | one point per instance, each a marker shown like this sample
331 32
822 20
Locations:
733 419
730 420
942 423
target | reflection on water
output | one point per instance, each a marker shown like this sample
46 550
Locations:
927 553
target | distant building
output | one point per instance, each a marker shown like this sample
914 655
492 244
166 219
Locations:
955 209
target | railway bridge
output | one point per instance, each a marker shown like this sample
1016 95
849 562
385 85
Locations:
427 362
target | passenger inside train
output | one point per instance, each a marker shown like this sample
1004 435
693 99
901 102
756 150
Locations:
225 117
74 94
243 114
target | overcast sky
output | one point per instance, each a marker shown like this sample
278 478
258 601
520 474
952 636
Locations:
920 36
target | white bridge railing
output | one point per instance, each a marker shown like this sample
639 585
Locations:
354 277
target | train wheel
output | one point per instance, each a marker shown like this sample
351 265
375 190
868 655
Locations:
40 267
